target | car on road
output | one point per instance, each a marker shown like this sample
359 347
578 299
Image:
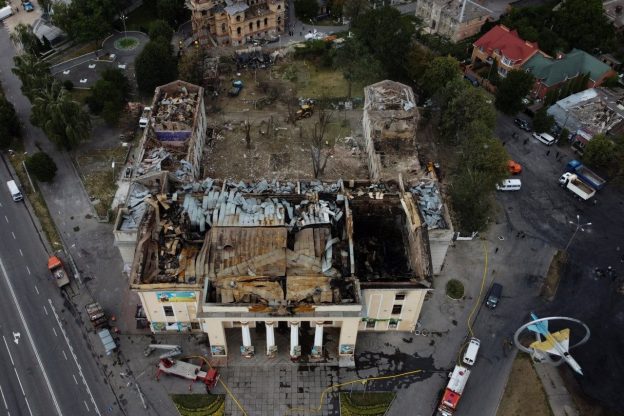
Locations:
514 167
494 296
545 138
28 6
523 124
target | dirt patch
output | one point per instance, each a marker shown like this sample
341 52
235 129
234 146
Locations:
524 394
98 175
551 283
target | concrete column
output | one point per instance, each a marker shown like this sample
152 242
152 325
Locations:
348 336
270 339
317 349
295 349
247 350
216 337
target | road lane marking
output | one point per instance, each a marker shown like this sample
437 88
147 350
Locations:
28 269
64 355
22 254
30 338
54 330
19 381
71 350
8 350
45 310
74 376
7 220
28 406
14 238
36 290
86 405
6 406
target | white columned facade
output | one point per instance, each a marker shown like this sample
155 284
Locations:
270 339
295 349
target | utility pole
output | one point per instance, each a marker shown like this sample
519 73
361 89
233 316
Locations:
579 226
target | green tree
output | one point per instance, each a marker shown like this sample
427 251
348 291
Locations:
357 64
191 66
583 24
511 90
439 72
41 166
471 199
85 20
63 120
564 136
465 106
173 11
24 38
542 122
10 126
32 72
599 152
306 10
417 62
160 29
109 95
155 66
352 9
385 32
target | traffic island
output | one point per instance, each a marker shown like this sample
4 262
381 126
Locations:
455 289
199 404
365 403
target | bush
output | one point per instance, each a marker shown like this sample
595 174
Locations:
455 289
68 85
160 29
41 166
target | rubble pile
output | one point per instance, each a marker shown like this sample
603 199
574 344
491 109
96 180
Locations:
176 112
430 204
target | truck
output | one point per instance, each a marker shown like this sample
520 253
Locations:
578 187
453 391
96 315
57 268
585 174
145 116
5 12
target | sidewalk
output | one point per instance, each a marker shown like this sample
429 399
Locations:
559 399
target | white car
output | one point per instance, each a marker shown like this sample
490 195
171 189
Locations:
545 138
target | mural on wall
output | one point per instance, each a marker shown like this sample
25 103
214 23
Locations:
176 296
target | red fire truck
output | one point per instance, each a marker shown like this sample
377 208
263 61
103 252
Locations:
454 389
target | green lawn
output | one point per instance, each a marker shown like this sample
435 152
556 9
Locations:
313 82
141 17
199 404
365 404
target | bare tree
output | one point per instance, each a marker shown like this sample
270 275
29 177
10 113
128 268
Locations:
320 149
247 128
292 105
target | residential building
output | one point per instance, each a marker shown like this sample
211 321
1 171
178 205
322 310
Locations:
614 11
236 22
503 46
454 19
552 73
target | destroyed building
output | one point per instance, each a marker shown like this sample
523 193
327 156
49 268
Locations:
236 22
217 255
170 149
390 122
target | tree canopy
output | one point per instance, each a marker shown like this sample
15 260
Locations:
511 90
41 166
306 10
109 95
155 66
32 72
358 64
385 32
172 11
439 72
160 29
85 20
542 121
10 126
23 37
600 152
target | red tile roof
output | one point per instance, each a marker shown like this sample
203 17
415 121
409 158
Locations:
509 44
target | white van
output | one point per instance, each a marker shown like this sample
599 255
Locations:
470 355
5 12
545 138
509 185
15 192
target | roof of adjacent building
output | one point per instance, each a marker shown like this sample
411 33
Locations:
236 8
554 71
508 43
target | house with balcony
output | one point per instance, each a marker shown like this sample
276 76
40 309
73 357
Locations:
505 47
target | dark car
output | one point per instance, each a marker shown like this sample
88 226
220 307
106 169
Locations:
28 6
523 124
494 296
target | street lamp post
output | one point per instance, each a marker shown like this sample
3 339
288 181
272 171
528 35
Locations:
123 18
578 226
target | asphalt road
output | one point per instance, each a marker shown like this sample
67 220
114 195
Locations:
544 210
